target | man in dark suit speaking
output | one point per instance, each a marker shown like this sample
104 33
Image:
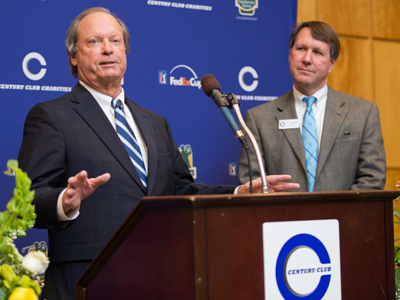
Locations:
95 130
325 139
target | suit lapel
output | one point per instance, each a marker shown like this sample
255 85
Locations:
335 114
94 116
287 110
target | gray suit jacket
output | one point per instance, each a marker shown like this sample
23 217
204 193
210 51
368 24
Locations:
351 157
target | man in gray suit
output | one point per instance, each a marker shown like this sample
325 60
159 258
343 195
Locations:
349 152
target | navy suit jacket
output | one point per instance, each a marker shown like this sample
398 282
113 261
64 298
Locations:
72 133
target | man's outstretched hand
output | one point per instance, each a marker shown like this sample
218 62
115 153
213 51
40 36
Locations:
79 187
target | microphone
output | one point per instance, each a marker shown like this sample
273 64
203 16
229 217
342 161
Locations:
212 88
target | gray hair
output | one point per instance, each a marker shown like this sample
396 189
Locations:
321 32
72 34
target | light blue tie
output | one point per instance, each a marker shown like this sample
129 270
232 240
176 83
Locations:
128 138
310 142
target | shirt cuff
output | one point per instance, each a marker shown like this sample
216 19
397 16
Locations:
235 192
71 215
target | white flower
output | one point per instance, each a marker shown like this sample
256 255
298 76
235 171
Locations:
35 262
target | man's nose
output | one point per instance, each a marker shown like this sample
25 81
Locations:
107 47
307 56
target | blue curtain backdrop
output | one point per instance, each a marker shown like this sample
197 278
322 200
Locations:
173 44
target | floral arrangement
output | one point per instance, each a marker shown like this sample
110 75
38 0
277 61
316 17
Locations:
17 273
396 213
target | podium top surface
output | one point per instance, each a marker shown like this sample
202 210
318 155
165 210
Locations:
202 201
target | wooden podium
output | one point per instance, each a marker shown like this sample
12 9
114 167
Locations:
210 247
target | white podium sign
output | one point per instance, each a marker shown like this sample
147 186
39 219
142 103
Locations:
302 260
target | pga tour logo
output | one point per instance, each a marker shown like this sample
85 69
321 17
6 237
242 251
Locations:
232 169
302 260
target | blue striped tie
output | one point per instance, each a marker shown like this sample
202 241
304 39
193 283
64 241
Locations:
128 138
310 142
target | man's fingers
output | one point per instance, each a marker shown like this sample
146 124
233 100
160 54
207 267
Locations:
70 192
81 185
284 186
81 176
102 179
272 179
284 177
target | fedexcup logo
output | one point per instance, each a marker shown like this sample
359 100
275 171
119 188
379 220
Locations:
179 77
284 273
247 7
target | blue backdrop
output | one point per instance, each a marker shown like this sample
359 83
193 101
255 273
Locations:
173 44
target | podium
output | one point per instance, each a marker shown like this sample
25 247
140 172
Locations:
210 247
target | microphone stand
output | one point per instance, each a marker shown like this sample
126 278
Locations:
234 103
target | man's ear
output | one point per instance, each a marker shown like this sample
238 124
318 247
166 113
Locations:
72 59
333 62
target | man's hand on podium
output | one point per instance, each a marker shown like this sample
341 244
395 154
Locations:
276 183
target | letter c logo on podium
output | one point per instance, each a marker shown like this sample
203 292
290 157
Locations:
295 243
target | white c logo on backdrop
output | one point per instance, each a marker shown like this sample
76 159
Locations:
25 62
253 86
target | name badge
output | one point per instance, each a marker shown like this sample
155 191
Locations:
289 124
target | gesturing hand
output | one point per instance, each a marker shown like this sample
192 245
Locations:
79 187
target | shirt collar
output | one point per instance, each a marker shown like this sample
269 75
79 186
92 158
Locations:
103 100
321 95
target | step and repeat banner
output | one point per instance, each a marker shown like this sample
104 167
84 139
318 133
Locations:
244 43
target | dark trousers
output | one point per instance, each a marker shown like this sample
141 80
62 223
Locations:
60 279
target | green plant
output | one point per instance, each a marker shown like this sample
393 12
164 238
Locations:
19 217
396 214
